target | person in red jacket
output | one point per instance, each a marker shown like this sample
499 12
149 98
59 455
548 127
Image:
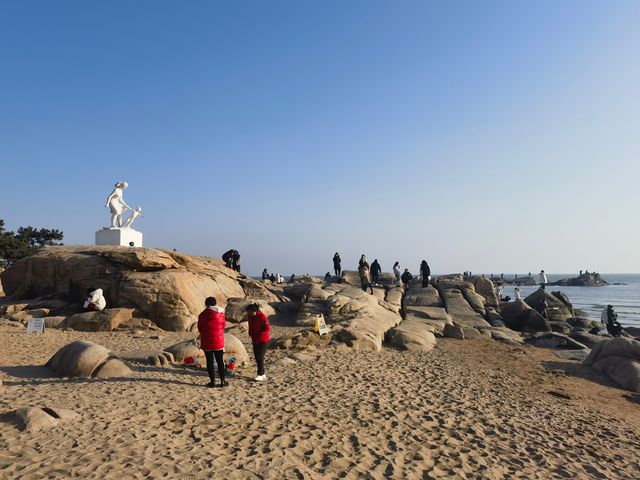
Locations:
259 331
211 323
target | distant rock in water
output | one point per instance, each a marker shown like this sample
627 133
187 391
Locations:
587 279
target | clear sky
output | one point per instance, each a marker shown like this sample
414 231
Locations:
493 136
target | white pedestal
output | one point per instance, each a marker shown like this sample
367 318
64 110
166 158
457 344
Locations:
119 236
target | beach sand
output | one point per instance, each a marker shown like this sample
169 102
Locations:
468 409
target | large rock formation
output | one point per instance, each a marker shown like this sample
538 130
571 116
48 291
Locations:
559 309
587 279
167 287
619 359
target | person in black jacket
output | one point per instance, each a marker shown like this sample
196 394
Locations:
376 269
337 267
425 271
406 278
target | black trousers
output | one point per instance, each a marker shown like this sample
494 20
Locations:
259 351
219 355
425 280
338 270
374 277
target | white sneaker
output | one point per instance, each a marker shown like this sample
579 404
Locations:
260 378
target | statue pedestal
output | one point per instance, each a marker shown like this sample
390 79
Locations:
119 236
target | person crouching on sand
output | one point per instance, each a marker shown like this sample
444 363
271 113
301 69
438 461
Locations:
259 331
211 323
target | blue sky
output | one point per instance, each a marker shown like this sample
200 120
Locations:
492 136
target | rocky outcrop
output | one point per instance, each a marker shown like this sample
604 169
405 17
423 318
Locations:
553 340
106 320
167 287
520 316
588 279
618 359
558 309
86 359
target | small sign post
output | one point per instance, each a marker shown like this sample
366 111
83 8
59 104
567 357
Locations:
321 325
35 325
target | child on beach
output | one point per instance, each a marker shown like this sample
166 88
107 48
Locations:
260 333
211 323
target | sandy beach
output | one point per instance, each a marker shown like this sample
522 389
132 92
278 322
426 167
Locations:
472 409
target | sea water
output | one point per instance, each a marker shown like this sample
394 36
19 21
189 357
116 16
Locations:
624 297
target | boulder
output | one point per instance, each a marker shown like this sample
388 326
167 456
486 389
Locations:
434 316
460 310
185 349
587 338
24 316
106 320
363 318
394 296
32 419
233 347
487 289
413 336
506 335
423 296
561 327
553 340
54 322
584 323
301 340
520 316
157 358
236 309
558 306
167 287
454 331
618 359
86 359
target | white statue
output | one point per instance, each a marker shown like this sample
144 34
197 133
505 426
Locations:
117 205
132 217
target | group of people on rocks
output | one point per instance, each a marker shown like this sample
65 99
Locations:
370 274
277 278
211 325
231 259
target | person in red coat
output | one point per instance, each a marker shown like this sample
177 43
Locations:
260 333
211 323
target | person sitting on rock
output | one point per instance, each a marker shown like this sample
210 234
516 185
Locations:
376 270
613 327
425 272
211 323
337 264
95 300
327 276
365 277
265 274
272 278
406 278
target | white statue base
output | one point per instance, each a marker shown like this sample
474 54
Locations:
119 236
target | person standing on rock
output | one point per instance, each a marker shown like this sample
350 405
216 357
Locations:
396 273
376 270
406 278
265 274
260 333
211 323
425 271
236 261
365 277
516 293
363 261
543 279
337 264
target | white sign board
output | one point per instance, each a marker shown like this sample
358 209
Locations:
35 325
321 325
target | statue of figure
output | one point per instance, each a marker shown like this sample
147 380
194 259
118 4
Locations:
116 203
132 217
